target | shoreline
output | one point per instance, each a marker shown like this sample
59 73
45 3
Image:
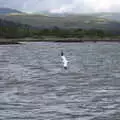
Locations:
8 42
4 41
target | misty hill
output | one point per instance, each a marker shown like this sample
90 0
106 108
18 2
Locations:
10 29
108 15
112 16
69 21
8 11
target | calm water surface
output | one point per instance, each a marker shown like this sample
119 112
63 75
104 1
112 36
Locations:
34 85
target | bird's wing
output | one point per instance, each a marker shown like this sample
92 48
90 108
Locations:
64 59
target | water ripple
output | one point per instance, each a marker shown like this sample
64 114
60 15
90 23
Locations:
34 85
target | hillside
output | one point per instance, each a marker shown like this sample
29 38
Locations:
10 29
69 21
107 15
112 16
115 16
4 11
14 32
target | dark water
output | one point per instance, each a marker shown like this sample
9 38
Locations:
34 85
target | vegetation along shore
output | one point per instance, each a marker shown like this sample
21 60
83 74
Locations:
12 32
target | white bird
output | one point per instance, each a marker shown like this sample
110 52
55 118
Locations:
65 62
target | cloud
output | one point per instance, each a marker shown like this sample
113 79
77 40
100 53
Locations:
86 6
78 6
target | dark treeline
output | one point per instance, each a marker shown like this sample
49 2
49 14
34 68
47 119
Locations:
9 29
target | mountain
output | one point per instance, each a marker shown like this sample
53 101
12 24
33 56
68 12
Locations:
114 16
47 13
8 11
84 21
107 15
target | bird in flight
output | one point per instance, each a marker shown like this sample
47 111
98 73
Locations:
65 62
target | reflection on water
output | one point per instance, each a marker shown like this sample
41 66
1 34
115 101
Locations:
34 85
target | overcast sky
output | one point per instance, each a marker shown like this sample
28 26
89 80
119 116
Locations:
79 6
